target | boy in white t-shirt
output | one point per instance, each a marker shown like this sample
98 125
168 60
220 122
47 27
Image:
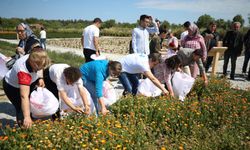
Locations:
90 38
66 84
134 64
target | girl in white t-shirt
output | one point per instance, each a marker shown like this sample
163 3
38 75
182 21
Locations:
66 84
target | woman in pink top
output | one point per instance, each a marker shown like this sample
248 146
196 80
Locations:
194 41
164 71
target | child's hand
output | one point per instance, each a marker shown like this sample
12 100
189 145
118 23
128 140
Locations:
78 110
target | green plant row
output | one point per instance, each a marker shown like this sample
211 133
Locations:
215 117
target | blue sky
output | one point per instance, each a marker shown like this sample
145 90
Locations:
174 11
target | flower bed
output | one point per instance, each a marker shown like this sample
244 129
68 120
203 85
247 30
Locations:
213 118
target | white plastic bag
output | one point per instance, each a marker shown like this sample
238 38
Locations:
75 98
109 94
3 68
43 103
147 88
182 84
101 57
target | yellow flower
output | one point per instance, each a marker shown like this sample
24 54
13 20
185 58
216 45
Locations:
103 141
99 132
163 148
84 145
28 146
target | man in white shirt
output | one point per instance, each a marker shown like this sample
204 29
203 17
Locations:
140 35
132 65
185 33
90 38
43 38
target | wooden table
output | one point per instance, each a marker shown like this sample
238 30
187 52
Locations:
216 52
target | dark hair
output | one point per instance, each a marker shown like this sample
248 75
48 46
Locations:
162 29
42 28
115 66
97 20
198 52
143 17
212 23
173 62
72 74
187 24
155 57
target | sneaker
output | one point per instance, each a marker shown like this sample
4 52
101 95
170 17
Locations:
244 74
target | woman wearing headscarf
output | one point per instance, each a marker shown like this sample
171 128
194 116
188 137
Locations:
28 41
194 40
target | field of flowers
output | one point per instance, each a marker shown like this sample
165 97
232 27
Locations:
215 117
118 45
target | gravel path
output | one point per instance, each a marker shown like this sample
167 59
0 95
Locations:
7 112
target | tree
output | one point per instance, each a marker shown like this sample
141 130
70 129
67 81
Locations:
238 18
109 23
221 23
204 20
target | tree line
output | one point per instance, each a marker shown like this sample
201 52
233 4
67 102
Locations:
112 27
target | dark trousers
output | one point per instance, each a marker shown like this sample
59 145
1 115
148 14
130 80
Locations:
130 82
13 95
208 63
246 60
87 53
227 56
51 86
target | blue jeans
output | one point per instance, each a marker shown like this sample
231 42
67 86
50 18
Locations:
90 86
130 82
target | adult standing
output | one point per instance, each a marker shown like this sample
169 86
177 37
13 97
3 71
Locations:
27 42
17 83
140 35
211 37
134 64
194 41
43 38
28 39
186 25
233 40
94 73
156 41
90 39
247 52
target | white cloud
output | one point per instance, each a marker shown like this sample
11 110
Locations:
226 7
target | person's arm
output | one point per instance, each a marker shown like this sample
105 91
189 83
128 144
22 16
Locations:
204 49
154 29
84 99
25 105
96 43
134 41
156 82
40 79
65 98
167 78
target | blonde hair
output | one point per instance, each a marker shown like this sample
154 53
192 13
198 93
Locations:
40 57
